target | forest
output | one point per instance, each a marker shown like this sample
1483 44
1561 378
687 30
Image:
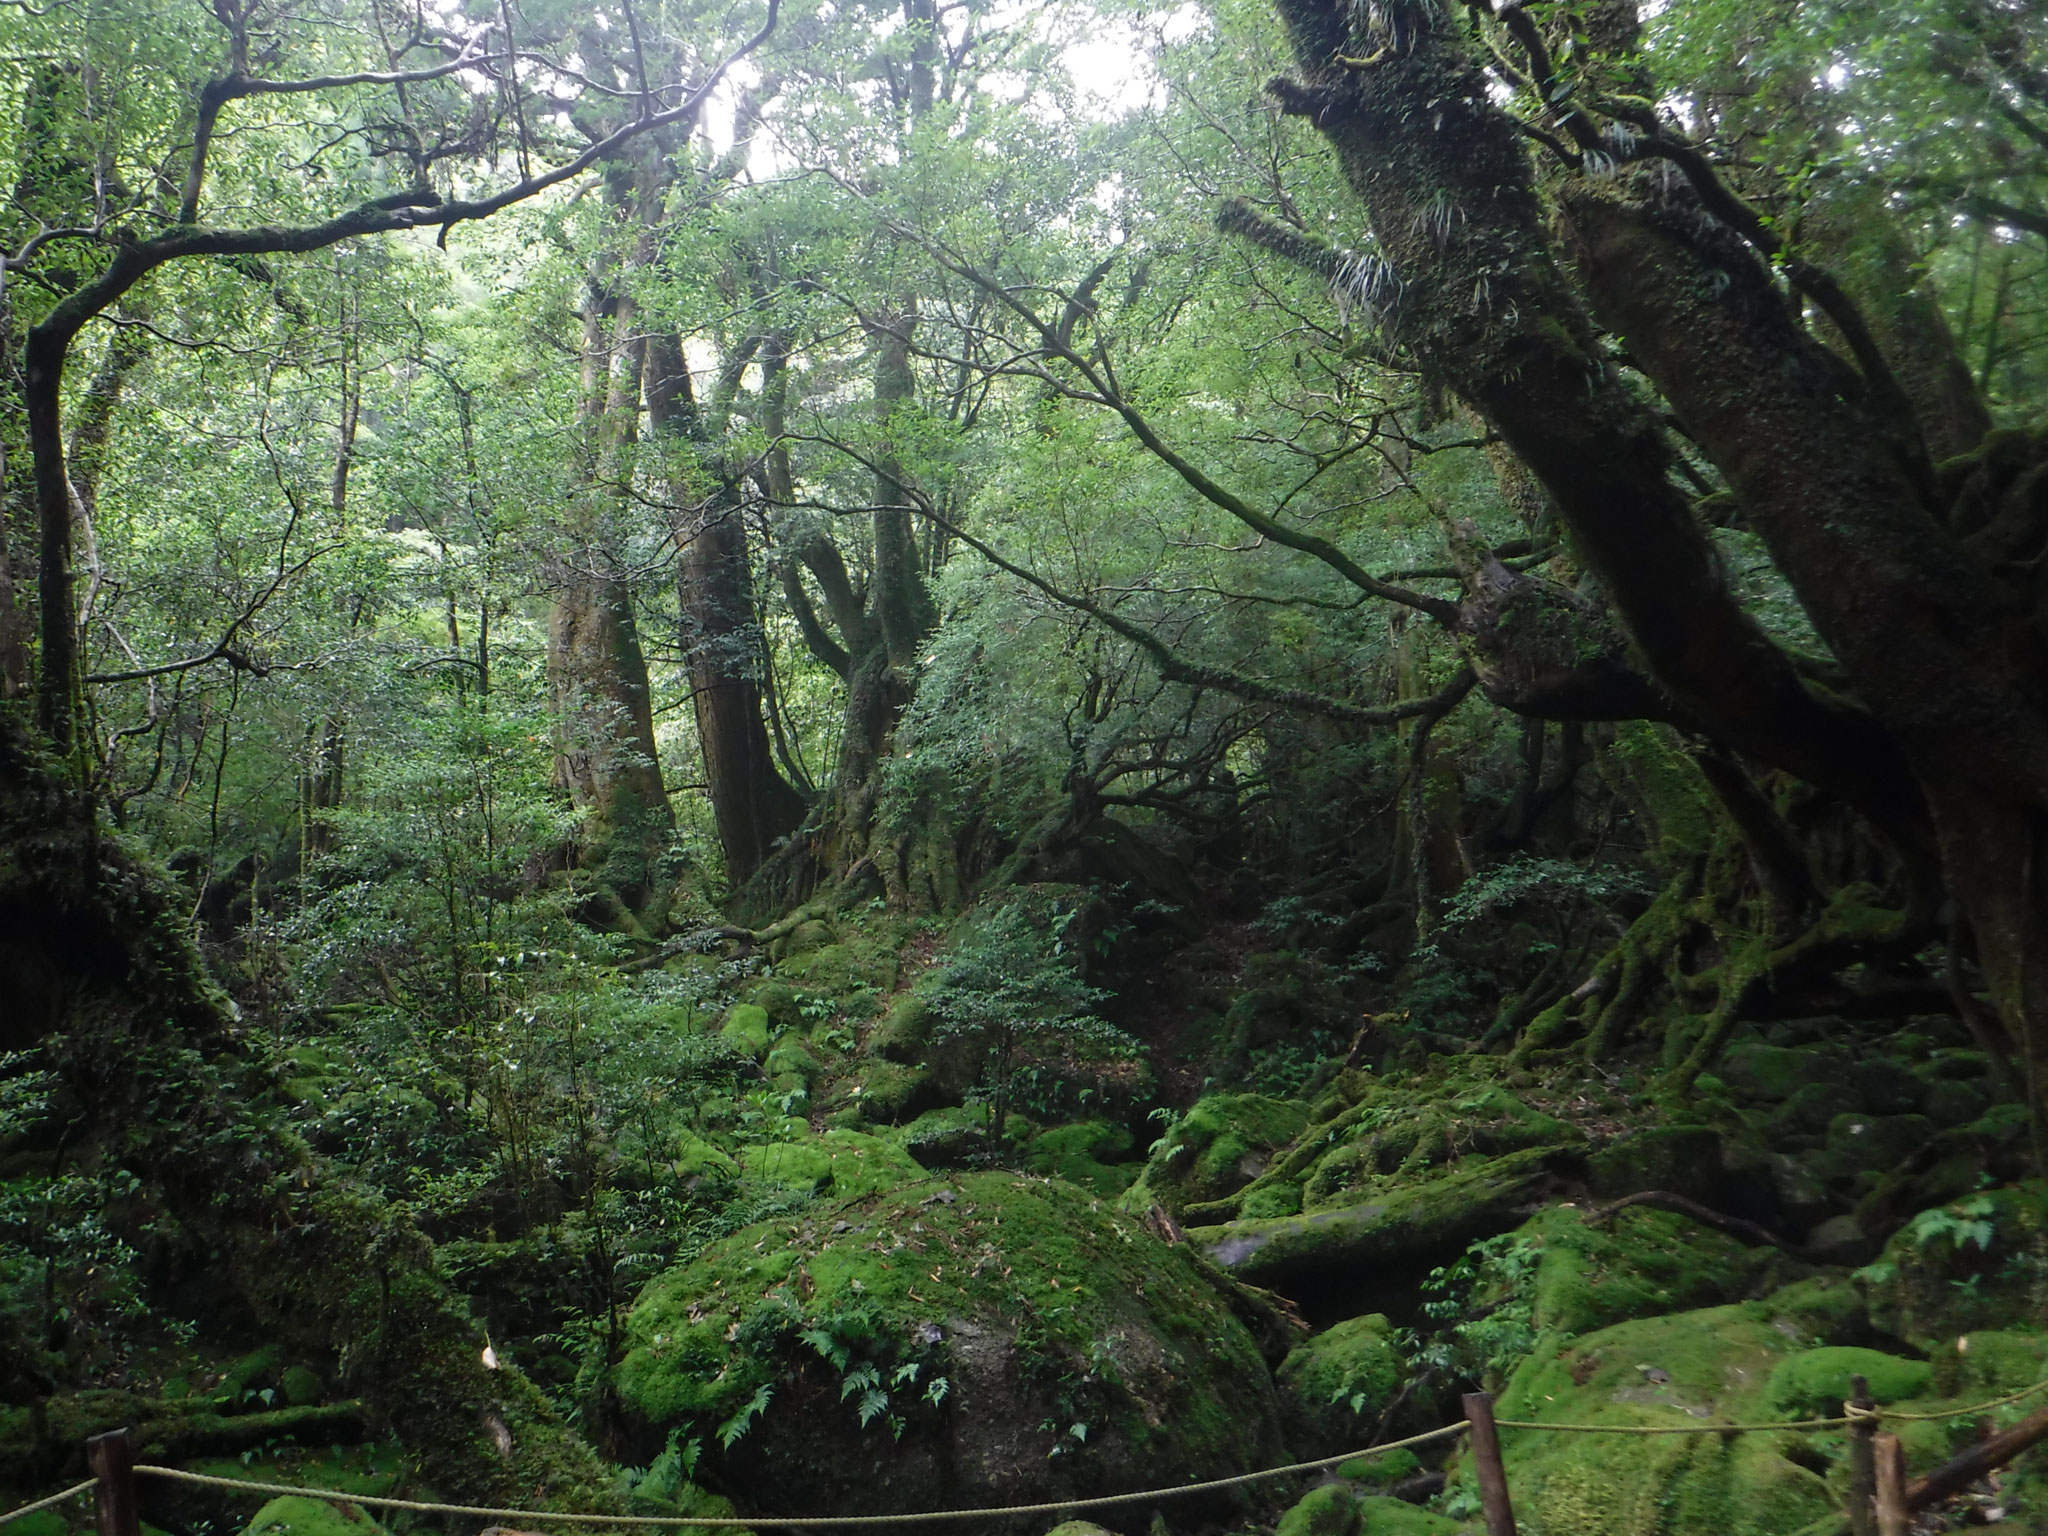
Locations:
771 759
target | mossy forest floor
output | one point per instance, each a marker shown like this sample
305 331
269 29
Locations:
748 1218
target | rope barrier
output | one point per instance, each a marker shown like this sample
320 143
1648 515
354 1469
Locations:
55 1498
1850 1414
805 1522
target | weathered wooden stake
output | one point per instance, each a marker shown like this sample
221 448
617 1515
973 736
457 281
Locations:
1487 1467
1891 1485
1862 1462
112 1459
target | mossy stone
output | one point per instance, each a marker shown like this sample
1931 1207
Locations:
1336 1385
1815 1383
1329 1510
1773 1073
845 1163
1281 1198
301 1386
1641 1263
1878 1143
697 1158
1685 1159
1381 1468
747 1027
1036 1302
1962 1267
778 1000
943 1138
1809 1111
1220 1145
1952 1102
1085 1153
1823 1309
1686 1369
890 1093
903 1031
791 1056
1392 1517
290 1515
1079 1528
1886 1087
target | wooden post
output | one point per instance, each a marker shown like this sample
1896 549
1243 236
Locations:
1487 1467
1862 1463
1891 1485
112 1459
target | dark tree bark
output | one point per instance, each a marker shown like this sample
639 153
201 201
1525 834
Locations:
1946 745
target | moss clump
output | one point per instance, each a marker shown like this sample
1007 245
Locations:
301 1386
1337 1384
842 1163
1975 1264
792 1057
890 1093
1330 1510
903 1031
1083 1153
1036 1307
697 1158
746 1027
1391 1517
1815 1383
1219 1146
1642 1263
292 1516
1688 1369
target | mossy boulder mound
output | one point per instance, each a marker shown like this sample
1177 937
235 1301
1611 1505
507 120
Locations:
293 1516
746 1027
1222 1144
1642 1263
1970 1265
1335 1387
982 1340
1815 1383
1329 1510
1687 1370
845 1164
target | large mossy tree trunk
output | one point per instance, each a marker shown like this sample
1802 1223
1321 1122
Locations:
607 761
752 804
1493 289
154 1078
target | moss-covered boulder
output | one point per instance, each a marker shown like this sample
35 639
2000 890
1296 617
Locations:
1088 1152
1388 1238
1218 1147
904 1029
1687 1370
987 1339
1391 1517
1396 1142
1814 1383
746 1027
1328 1510
293 1516
841 1163
1641 1263
1335 1386
1973 1264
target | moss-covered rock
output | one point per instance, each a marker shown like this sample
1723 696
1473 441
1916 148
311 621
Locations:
890 1093
1337 1384
1328 1510
1815 1383
1025 1342
1641 1263
1684 1158
746 1027
1391 1517
903 1031
1220 1145
1975 1264
1771 1074
841 1163
1688 1369
293 1516
697 1158
1411 1225
1085 1153
792 1057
